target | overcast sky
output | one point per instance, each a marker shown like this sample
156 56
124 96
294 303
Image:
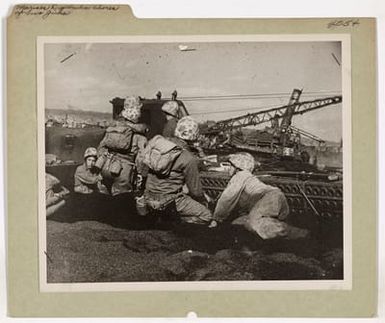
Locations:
97 72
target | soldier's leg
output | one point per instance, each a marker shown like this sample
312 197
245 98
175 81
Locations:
55 208
191 211
123 183
267 218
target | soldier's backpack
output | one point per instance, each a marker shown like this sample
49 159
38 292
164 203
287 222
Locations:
118 137
160 155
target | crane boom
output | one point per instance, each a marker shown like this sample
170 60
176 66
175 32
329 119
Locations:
306 134
252 119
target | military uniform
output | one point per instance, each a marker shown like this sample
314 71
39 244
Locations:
258 207
169 127
88 182
172 111
162 190
120 166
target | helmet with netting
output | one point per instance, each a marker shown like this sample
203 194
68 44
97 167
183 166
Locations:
243 161
132 109
90 152
187 129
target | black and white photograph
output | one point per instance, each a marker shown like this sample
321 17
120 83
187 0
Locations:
194 162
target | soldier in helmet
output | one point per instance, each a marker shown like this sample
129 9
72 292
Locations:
163 190
87 178
120 148
171 110
91 195
260 208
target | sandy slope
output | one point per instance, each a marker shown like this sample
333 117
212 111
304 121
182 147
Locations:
92 251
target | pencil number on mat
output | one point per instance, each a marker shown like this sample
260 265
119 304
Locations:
343 23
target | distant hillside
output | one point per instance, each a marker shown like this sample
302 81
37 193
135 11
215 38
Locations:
82 114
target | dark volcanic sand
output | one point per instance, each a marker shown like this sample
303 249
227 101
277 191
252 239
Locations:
95 251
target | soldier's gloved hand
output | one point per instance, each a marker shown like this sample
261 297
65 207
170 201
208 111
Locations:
213 224
62 194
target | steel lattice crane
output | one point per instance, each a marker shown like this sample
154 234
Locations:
287 111
307 134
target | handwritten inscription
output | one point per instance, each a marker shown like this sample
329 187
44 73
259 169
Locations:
343 23
44 11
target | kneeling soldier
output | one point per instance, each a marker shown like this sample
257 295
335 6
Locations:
260 208
171 166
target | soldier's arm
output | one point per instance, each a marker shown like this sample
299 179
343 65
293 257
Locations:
228 199
192 180
53 199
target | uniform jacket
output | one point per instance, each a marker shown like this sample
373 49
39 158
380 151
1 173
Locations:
138 143
184 171
87 182
243 191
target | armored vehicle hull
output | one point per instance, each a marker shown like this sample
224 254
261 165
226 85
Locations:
304 195
69 144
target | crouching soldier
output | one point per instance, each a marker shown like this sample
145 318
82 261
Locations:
91 195
87 179
55 195
171 166
120 146
260 208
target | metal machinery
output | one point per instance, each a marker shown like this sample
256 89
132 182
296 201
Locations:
283 137
285 112
310 195
313 196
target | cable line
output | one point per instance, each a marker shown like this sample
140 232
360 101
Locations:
252 96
